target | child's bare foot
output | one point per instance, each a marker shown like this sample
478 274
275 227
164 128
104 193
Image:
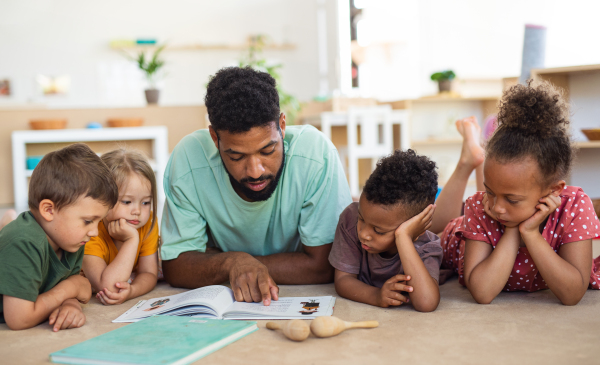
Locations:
472 154
9 216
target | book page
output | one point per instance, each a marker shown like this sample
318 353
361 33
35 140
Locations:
289 307
215 297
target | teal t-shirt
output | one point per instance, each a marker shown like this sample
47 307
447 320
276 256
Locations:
202 208
28 264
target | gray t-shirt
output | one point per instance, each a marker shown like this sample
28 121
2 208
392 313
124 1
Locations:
347 255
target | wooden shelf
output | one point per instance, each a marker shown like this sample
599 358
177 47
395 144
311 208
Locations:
436 142
206 47
587 144
442 97
28 172
565 70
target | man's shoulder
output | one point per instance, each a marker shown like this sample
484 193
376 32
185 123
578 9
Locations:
308 142
195 151
196 142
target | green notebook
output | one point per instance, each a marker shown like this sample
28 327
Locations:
156 340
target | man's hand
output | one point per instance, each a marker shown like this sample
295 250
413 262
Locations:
417 225
81 286
251 282
389 294
68 315
122 231
108 297
548 204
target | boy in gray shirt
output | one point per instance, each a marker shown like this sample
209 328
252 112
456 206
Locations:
382 253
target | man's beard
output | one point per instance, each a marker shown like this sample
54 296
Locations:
257 196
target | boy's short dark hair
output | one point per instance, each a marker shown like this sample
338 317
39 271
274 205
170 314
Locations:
238 99
403 178
65 175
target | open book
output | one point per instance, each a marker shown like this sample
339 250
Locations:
217 301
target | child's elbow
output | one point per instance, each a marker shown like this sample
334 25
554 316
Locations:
483 299
18 324
427 306
571 300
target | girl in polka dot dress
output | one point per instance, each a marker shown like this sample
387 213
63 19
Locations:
525 230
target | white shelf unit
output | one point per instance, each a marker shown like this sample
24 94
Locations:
581 85
20 139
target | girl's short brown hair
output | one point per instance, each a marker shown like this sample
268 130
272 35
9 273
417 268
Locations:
122 162
65 175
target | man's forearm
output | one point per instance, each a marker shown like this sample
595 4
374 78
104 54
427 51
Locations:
196 269
297 268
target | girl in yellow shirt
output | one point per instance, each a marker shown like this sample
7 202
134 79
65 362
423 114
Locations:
127 241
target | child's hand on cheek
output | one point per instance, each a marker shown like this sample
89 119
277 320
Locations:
417 225
389 294
547 205
120 230
108 297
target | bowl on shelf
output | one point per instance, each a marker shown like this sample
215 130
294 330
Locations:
125 122
48 123
592 134
32 161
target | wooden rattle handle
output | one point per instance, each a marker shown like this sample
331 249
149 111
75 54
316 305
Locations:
273 326
363 324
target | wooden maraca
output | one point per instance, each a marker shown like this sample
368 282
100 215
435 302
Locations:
331 326
295 330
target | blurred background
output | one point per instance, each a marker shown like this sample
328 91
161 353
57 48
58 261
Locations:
73 65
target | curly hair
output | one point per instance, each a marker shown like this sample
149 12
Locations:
403 178
238 99
532 122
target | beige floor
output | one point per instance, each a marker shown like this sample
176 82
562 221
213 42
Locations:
525 328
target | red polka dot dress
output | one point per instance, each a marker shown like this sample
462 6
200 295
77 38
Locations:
575 220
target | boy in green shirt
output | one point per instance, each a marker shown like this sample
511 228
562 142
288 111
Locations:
41 251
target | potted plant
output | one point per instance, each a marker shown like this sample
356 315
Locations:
151 67
444 79
253 58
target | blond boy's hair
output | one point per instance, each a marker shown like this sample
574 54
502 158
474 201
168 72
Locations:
65 175
122 162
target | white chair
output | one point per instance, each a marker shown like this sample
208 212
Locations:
376 140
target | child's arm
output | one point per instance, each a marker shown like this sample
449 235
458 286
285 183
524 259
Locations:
426 297
487 269
145 280
119 270
348 286
567 273
21 314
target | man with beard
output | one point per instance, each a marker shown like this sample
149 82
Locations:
249 200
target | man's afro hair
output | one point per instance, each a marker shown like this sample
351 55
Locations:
403 177
238 99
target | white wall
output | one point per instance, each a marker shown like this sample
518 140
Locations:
71 37
411 39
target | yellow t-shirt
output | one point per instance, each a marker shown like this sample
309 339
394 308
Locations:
104 247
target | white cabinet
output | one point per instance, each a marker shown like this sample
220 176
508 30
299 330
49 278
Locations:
49 140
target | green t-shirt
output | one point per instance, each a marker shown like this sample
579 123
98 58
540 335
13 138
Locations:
28 264
203 208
